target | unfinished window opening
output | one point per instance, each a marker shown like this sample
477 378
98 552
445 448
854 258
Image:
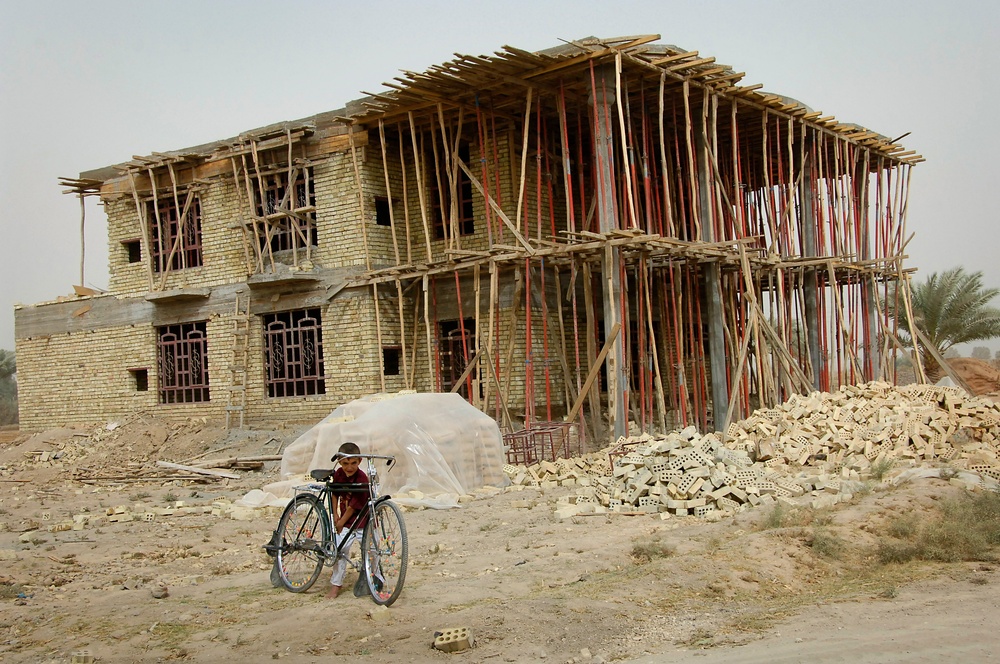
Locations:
182 363
289 210
440 197
133 250
173 247
293 353
456 340
390 360
382 216
140 379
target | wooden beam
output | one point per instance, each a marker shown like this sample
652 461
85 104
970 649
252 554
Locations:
198 471
592 376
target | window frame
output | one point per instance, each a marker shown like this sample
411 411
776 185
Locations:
182 373
266 204
164 213
298 369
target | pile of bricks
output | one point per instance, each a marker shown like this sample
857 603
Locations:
814 449
860 423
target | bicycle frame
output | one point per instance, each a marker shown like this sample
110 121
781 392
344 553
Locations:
304 541
328 492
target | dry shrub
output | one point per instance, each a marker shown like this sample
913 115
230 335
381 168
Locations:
827 544
966 529
644 552
881 468
10 590
783 516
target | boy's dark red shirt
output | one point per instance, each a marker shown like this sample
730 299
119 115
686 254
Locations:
355 499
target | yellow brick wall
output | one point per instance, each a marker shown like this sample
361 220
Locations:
223 257
83 377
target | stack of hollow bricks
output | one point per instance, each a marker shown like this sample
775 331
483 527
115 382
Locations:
812 449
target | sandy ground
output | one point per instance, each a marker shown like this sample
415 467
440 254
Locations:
531 587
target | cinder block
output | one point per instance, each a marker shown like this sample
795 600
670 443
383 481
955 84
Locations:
454 639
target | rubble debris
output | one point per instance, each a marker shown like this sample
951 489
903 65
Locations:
126 452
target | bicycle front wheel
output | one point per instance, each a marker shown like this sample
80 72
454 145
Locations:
384 548
305 532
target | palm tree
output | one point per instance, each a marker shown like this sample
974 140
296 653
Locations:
8 388
8 364
950 308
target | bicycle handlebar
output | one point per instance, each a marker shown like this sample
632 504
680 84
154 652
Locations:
390 459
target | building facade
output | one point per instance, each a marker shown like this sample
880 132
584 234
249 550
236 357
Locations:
612 232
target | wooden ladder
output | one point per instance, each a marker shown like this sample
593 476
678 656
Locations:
238 361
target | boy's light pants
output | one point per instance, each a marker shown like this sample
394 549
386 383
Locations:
340 567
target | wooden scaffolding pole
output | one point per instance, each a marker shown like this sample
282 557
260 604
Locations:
83 237
418 169
143 228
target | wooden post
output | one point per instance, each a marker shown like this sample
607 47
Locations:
242 222
427 329
661 406
418 169
601 99
712 283
477 339
491 339
406 200
594 392
592 376
388 188
83 238
402 332
143 228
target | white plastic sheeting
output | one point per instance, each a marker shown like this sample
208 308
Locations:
444 448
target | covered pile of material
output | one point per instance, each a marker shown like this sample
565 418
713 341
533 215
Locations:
444 448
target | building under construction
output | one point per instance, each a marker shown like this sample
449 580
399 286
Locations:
615 232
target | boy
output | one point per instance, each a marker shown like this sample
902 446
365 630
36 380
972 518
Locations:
348 508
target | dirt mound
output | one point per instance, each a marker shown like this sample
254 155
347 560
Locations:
129 448
981 377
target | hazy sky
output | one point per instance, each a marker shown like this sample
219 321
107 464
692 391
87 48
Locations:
89 84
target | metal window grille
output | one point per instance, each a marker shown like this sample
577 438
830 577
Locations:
282 229
293 353
182 363
454 351
163 236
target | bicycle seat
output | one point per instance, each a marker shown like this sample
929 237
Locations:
321 475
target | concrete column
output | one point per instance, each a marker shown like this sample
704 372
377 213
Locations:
807 218
603 103
873 354
712 275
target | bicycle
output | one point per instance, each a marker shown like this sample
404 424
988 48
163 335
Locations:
304 540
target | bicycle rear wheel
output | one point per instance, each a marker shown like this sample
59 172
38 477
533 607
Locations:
384 548
305 532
